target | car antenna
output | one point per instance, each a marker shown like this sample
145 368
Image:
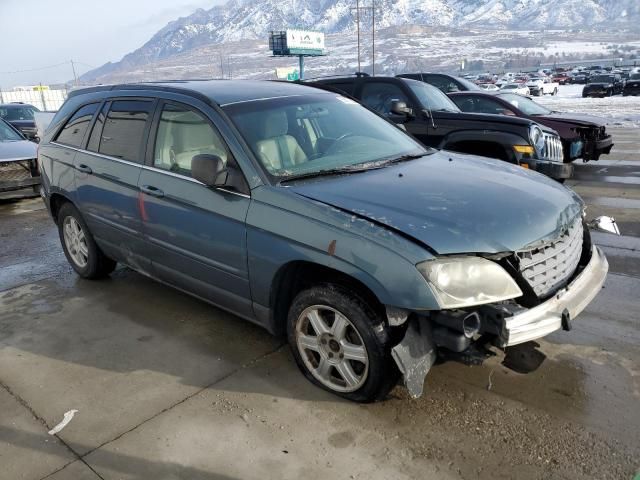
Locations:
433 124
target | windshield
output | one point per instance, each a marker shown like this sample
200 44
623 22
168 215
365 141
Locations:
310 134
432 97
635 76
511 86
17 113
526 105
7 133
601 79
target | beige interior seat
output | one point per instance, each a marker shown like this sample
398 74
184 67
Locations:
277 149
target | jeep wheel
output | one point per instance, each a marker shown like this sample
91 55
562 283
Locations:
340 344
79 247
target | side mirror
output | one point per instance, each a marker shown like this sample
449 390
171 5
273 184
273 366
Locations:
209 169
400 108
604 224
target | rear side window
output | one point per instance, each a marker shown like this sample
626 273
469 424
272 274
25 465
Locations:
74 130
347 87
443 83
123 131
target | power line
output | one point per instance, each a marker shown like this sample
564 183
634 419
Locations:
26 70
35 69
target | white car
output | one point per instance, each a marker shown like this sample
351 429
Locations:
515 88
542 86
490 87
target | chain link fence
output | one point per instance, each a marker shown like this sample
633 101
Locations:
42 99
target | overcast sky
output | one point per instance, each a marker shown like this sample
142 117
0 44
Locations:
40 33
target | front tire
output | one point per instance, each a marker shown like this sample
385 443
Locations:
79 247
341 344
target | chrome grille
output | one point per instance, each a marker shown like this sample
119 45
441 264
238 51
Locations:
552 148
549 267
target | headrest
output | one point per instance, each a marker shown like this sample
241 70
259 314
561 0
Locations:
275 124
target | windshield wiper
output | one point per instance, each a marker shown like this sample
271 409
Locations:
330 171
404 158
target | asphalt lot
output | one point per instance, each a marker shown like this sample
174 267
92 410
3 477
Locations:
167 387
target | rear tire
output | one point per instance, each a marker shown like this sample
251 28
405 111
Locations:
79 247
341 344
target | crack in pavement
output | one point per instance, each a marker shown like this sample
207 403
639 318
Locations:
244 366
28 407
81 458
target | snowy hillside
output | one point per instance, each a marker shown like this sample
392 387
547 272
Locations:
253 19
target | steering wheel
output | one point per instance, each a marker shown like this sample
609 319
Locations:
338 140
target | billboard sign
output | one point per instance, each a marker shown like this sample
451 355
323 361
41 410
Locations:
305 40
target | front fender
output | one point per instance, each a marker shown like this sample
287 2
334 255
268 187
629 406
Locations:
505 140
283 227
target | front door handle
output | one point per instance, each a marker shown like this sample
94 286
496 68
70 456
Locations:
151 190
84 168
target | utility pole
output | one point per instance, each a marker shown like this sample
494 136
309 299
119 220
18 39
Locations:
357 9
221 67
373 38
372 8
75 77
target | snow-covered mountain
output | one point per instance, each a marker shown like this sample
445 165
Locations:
253 19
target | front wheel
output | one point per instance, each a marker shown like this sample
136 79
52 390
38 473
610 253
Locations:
341 344
79 247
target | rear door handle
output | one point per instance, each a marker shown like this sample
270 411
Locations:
151 190
84 168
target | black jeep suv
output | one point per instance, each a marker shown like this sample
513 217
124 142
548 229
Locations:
431 117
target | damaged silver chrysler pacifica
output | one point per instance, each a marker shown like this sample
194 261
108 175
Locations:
308 214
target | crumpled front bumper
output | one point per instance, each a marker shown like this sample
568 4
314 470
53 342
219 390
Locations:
563 307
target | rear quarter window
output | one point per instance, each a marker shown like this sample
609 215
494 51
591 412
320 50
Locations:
74 130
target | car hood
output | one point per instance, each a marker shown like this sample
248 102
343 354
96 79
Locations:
17 150
453 203
578 119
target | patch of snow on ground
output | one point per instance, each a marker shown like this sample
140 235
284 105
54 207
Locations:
617 110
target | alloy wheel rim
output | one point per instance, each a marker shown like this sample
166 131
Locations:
331 348
75 241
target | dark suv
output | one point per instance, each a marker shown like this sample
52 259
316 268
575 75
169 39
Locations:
446 83
431 117
604 85
21 116
306 213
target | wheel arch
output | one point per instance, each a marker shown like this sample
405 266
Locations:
485 148
56 200
297 275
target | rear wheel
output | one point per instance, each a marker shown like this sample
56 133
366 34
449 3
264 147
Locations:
341 344
79 247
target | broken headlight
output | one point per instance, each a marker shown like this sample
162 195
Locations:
466 281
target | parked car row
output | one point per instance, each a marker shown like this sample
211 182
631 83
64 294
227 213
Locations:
436 121
468 123
297 208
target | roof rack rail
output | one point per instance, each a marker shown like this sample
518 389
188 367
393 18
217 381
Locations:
354 74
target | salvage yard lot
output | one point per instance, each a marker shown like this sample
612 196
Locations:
169 387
